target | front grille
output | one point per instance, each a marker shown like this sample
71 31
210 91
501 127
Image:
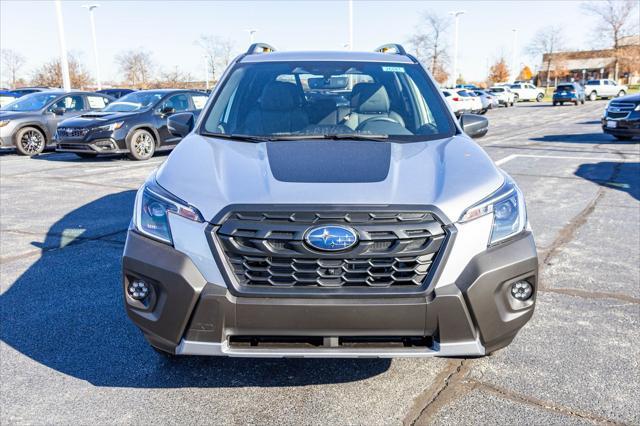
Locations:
268 249
72 132
618 110
75 147
617 115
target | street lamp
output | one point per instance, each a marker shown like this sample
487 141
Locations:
64 63
251 32
206 71
90 8
456 15
350 24
514 57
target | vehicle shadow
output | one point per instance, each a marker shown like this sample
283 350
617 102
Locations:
590 138
625 177
71 157
65 311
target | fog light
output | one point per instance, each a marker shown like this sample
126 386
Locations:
138 290
521 290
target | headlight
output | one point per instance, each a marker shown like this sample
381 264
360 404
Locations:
152 209
110 127
4 123
637 108
508 210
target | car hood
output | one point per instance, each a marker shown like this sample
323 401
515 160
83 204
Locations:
19 115
211 174
96 118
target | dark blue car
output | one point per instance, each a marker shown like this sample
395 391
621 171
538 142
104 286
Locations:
569 92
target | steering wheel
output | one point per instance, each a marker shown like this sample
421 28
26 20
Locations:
376 119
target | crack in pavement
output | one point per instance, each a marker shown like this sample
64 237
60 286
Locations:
76 241
546 405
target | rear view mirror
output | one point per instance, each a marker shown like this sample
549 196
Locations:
330 83
181 124
475 126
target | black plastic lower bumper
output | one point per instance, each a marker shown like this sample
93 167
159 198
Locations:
184 307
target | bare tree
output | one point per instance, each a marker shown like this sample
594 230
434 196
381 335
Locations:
137 67
13 62
218 52
617 19
547 42
50 74
429 44
173 79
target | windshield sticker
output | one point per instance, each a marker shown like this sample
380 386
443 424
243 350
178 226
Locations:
199 101
96 102
393 69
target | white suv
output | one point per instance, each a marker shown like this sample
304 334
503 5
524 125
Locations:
527 92
604 88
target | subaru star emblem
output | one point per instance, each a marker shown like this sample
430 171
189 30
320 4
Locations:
331 238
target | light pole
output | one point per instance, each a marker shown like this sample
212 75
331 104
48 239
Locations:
350 24
206 71
251 34
456 15
514 57
90 8
64 64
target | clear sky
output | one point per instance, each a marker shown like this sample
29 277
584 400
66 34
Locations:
169 28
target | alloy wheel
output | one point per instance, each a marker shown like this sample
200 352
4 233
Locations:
32 142
143 145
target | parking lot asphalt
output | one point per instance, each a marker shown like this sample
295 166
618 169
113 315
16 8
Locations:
69 354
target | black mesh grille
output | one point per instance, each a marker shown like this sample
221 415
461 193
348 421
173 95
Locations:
267 249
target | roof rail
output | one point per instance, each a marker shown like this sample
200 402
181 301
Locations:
394 48
260 48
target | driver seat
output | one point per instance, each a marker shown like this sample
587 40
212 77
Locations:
370 100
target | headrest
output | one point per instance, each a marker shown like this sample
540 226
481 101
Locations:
279 96
371 98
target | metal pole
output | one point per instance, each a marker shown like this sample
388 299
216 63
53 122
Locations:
350 24
456 15
64 64
206 71
90 8
514 58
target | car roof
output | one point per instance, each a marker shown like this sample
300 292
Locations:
338 55
72 92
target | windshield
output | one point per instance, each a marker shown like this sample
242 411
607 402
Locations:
496 89
287 100
32 102
134 102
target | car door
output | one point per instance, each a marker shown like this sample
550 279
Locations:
173 104
531 91
608 88
65 107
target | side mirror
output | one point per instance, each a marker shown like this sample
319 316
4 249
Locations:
181 124
58 111
475 126
167 110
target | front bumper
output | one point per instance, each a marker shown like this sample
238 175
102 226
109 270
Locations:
94 142
624 127
471 316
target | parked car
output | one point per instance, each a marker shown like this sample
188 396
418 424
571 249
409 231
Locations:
622 117
505 96
115 92
458 104
135 124
28 90
527 92
568 92
489 100
29 123
604 88
467 86
474 103
386 233
6 97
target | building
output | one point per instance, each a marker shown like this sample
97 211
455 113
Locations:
593 64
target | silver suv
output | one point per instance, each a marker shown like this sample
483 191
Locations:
29 123
329 204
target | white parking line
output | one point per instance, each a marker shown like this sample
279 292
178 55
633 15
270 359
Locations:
508 158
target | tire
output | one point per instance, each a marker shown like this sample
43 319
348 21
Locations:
582 101
555 103
576 103
561 103
85 154
540 97
593 96
142 145
621 93
622 138
30 141
516 98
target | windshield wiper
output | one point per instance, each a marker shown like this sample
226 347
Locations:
245 138
338 136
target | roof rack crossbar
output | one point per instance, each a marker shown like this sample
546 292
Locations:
260 48
395 48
